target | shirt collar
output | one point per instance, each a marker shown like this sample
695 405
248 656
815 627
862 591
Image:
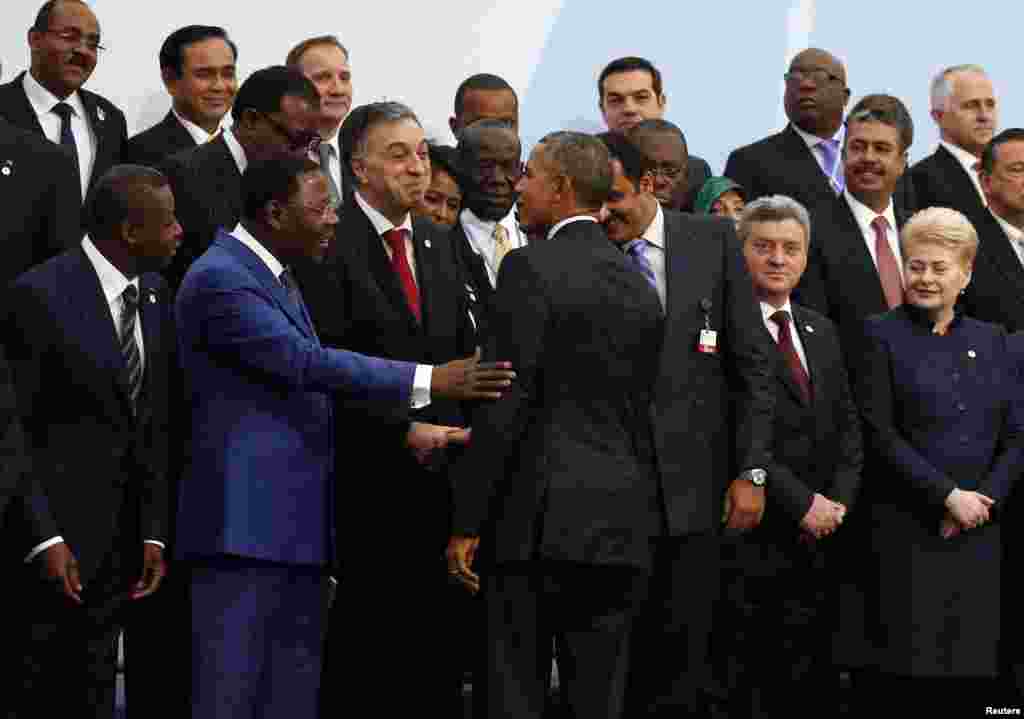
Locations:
1014 233
245 237
575 218
655 232
768 310
966 159
469 217
42 100
198 134
865 215
236 149
112 280
813 140
380 223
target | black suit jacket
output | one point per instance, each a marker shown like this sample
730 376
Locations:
41 215
701 439
996 291
697 173
207 189
95 465
477 284
13 458
561 466
107 122
150 147
939 180
841 280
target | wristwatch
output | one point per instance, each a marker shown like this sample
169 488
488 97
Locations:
755 476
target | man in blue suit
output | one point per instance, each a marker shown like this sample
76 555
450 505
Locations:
255 514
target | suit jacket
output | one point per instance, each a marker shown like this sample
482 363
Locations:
939 180
701 439
13 458
697 173
841 280
107 122
42 204
561 466
92 456
477 283
258 383
151 147
207 189
996 291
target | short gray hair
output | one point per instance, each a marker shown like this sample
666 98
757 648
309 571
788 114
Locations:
942 85
584 159
773 208
369 116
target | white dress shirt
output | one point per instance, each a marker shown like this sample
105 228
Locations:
865 216
967 161
814 145
575 218
42 101
1014 234
767 311
480 234
198 134
335 164
420 396
236 150
382 224
113 283
654 251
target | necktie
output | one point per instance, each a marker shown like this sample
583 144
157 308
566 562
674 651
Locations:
129 347
796 367
292 287
501 246
830 156
888 267
400 264
326 152
67 138
635 251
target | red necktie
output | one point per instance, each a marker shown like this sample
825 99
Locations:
400 264
796 367
888 268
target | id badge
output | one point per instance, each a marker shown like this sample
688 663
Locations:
707 342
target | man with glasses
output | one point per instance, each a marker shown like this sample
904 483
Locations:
49 98
274 115
664 144
803 161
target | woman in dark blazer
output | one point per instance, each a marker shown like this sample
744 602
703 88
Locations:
939 396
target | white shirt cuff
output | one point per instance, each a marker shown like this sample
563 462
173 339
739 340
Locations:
420 397
39 549
157 542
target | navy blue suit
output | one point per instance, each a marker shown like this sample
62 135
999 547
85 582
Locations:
255 513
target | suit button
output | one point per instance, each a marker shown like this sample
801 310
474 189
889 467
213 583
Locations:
961 406
699 402
964 439
956 376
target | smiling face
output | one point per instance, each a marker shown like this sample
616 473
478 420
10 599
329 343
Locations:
64 54
394 171
153 232
208 82
328 68
442 200
776 255
874 159
934 276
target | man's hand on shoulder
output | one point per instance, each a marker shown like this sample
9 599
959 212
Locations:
471 379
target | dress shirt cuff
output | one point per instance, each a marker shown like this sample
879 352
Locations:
420 396
157 542
39 549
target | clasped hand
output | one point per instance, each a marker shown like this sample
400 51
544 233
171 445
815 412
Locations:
823 517
965 510
425 439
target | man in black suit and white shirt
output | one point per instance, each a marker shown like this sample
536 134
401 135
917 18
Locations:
49 99
777 624
197 65
964 107
713 354
90 340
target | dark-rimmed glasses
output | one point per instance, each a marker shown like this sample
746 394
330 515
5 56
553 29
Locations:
76 38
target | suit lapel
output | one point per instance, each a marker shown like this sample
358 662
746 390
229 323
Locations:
814 180
150 312
18 109
856 252
381 271
676 271
98 121
425 281
954 173
227 183
995 248
808 332
178 138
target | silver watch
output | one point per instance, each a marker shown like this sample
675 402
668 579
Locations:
756 476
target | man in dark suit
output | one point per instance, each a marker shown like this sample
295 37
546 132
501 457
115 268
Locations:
41 201
778 624
273 116
560 477
803 161
256 513
676 180
965 109
855 267
713 354
91 342
197 65
484 97
629 91
49 99
391 288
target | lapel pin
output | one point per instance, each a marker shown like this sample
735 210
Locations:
972 354
6 170
808 328
427 243
100 115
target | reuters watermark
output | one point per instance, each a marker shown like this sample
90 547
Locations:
1002 711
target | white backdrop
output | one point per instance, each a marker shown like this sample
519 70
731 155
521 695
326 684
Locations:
722 62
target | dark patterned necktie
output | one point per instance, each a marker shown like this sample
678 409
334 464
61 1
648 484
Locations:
788 349
129 347
67 137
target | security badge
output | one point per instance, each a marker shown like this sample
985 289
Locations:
707 340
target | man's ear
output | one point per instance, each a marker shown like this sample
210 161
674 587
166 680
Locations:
647 183
274 214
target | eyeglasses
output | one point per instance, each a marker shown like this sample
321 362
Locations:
325 212
820 76
307 140
76 38
668 172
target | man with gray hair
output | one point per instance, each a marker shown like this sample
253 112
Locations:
779 634
559 486
965 108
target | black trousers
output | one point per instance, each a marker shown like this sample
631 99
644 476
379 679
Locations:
586 611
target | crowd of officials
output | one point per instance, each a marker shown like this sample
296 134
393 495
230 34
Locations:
325 419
